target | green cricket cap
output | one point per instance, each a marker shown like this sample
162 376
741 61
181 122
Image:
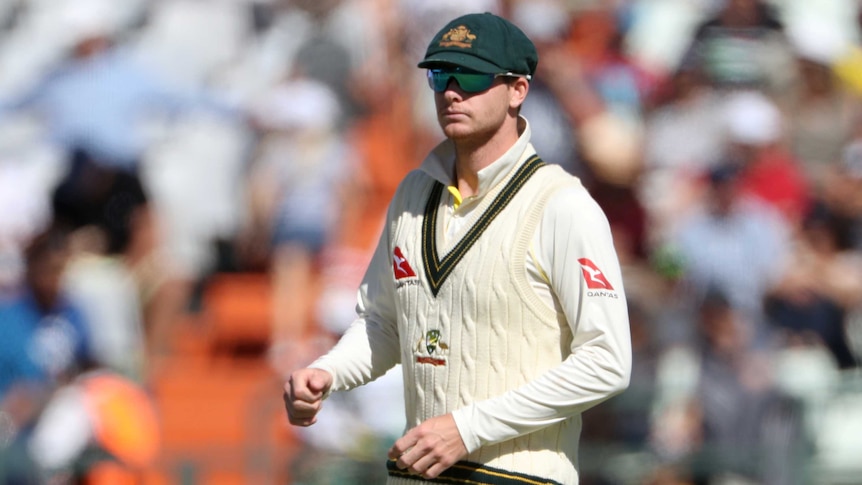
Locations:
482 42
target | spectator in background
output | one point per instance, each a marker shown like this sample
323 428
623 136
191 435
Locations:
681 139
595 37
26 184
116 247
820 110
755 137
117 270
603 92
329 55
819 289
296 187
733 243
45 338
729 418
743 45
93 195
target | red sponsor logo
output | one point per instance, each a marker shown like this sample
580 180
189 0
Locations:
430 360
593 276
400 265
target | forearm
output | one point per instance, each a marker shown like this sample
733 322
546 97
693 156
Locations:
586 378
364 353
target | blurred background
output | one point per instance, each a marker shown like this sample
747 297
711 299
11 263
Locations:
190 191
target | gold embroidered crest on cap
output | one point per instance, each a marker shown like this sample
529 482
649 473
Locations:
460 36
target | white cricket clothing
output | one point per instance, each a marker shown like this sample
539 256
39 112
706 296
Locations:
515 334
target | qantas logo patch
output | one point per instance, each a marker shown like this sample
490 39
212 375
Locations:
593 276
400 265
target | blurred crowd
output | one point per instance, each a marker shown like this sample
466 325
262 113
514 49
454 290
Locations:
147 145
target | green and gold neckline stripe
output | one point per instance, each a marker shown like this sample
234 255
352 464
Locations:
469 473
436 269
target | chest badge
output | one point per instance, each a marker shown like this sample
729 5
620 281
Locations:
434 347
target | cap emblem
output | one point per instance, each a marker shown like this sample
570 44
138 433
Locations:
459 36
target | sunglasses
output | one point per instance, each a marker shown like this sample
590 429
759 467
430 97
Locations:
469 81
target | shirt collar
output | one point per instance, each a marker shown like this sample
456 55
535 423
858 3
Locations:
439 164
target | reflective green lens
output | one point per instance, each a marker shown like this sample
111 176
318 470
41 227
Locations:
471 82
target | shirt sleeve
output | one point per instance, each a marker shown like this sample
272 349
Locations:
370 346
576 252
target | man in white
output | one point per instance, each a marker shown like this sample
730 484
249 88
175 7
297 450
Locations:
495 285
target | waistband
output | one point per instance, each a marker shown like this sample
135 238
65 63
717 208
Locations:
465 472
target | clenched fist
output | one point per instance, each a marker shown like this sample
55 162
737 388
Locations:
303 395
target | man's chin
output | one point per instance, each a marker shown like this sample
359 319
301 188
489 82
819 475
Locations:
456 131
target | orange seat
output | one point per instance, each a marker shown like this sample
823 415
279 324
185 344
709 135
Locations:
238 309
190 337
109 473
217 421
210 406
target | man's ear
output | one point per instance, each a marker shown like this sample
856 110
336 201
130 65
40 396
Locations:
518 90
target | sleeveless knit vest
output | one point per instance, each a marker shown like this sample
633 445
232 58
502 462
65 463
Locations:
470 325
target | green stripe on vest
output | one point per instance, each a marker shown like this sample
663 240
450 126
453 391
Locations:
438 270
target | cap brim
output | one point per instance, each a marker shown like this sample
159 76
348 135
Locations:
443 59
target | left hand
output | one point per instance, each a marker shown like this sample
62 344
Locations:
430 448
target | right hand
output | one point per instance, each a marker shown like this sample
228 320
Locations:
303 395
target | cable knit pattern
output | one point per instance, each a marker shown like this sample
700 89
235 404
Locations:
485 332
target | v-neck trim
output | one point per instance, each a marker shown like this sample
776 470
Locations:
438 269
